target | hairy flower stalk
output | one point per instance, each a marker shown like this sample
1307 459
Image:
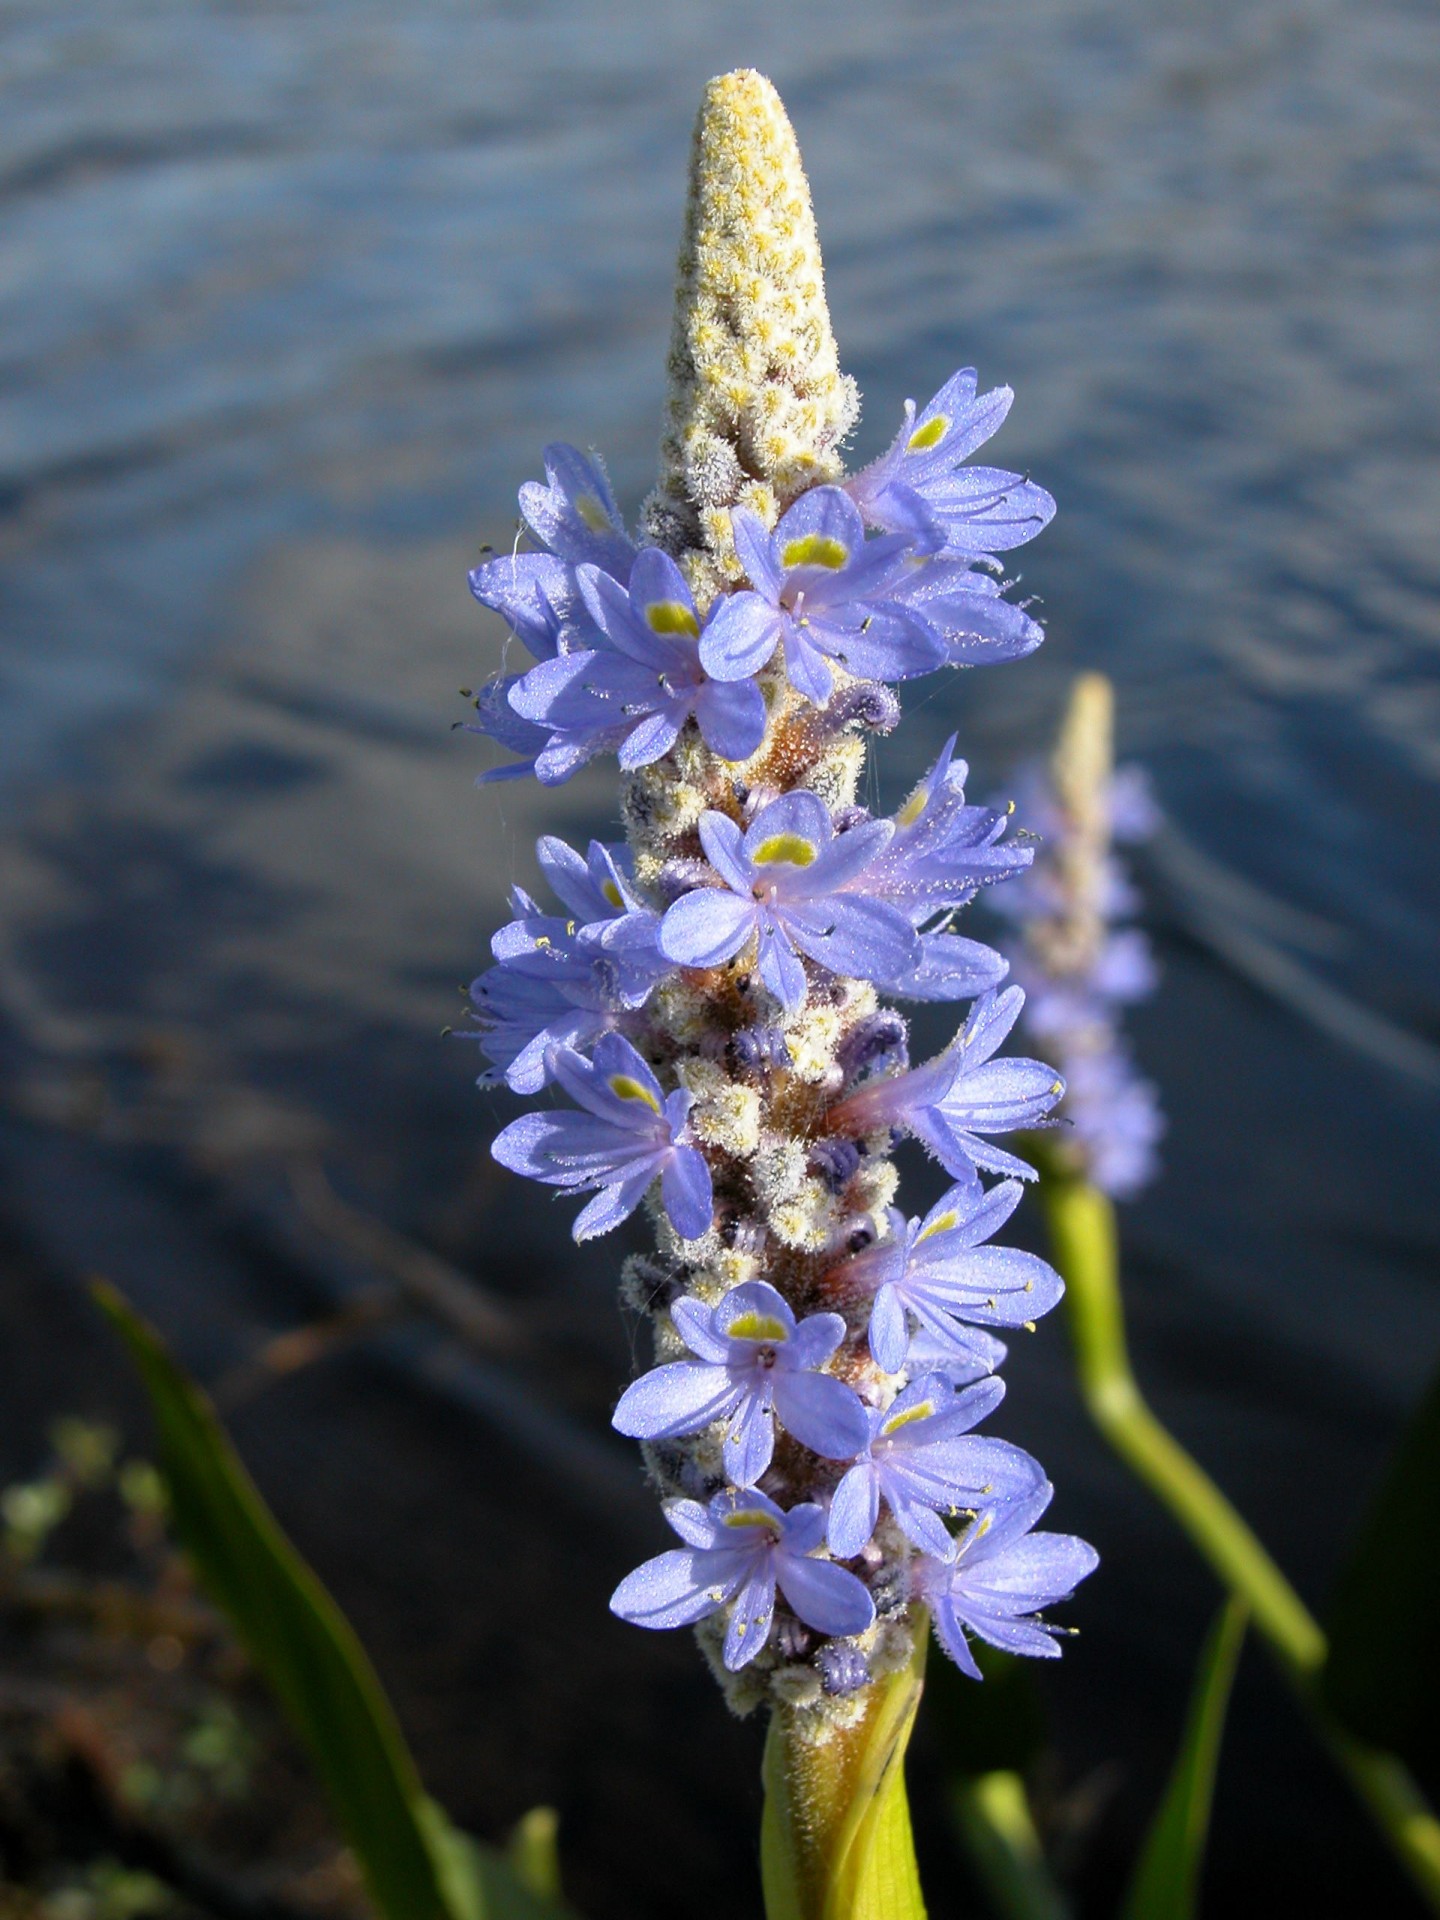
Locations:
1077 961
707 1000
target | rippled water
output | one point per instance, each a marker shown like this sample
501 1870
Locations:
318 280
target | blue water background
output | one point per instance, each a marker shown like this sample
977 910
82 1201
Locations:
280 276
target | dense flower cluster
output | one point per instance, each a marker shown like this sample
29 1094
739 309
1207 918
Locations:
707 1000
1079 964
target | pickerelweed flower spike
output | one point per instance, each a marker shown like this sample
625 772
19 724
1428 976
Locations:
702 1013
1079 964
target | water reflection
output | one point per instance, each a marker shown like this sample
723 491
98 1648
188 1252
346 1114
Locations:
289 301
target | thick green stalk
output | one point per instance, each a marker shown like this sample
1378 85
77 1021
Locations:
835 1841
1083 1236
992 1811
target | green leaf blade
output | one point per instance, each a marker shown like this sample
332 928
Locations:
1167 1878
293 1630
415 1864
1382 1675
835 1838
992 1813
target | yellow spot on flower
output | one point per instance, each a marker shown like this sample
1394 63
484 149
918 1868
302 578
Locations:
814 550
592 513
930 435
625 1087
913 807
757 1326
942 1225
671 616
612 894
749 1517
921 1412
790 848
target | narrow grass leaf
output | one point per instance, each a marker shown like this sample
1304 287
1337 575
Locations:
1382 1676
993 1818
1167 1878
416 1866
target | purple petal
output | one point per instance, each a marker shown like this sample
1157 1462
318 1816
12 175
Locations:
739 637
1002 1095
951 968
1039 1569
849 854
886 645
706 927
806 665
778 966
671 1590
612 1205
822 1412
680 1398
854 1511
801 814
951 1635
654 736
731 717
686 1194
862 938
749 1442
756 553
576 515
804 1527
697 1526
724 846
923 1529
970 422
824 1596
750 1617
758 1297
815 1339
694 1324
889 1333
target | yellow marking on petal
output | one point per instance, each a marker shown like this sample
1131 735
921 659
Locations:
672 616
592 513
913 807
942 1225
792 848
626 1087
757 1326
613 894
922 1411
814 550
749 1517
930 435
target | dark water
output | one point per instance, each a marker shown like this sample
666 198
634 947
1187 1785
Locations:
289 299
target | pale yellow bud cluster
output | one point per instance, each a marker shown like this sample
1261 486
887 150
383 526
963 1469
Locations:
1081 770
757 410
757 405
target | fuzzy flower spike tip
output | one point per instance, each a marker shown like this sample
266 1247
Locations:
701 1009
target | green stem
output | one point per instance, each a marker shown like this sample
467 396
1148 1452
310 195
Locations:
992 1811
835 1840
1083 1236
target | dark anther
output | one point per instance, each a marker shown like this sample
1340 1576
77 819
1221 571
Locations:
750 1049
843 1669
793 1640
880 1037
835 1162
